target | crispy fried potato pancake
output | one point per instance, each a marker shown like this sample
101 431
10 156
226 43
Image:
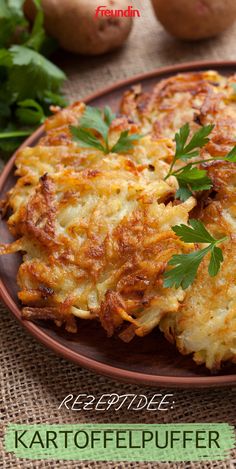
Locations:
95 229
205 324
96 232
197 98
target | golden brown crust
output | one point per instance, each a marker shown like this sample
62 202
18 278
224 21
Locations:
96 229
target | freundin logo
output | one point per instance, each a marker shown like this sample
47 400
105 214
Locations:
103 11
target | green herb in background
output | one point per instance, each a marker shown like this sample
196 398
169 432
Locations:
95 121
13 24
190 178
29 82
186 265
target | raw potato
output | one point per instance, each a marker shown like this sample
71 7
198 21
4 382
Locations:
74 25
195 19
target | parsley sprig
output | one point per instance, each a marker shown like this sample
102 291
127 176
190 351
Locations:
29 82
186 265
191 178
94 121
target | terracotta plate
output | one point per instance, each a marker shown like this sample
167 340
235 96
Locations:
148 361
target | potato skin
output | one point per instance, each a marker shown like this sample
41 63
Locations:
73 24
195 19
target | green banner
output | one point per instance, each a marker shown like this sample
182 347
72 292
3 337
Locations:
121 442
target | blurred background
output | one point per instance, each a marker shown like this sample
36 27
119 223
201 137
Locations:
149 46
92 51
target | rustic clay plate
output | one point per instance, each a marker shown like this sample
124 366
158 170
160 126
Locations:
150 360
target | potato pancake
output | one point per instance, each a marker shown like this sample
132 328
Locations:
95 228
205 324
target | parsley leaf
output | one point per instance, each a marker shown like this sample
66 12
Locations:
49 98
29 83
11 19
86 139
186 269
27 78
95 121
215 261
198 140
108 115
231 155
38 35
180 140
195 233
125 142
186 265
191 179
40 73
183 193
29 112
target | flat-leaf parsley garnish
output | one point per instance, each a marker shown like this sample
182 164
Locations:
191 178
94 121
186 265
